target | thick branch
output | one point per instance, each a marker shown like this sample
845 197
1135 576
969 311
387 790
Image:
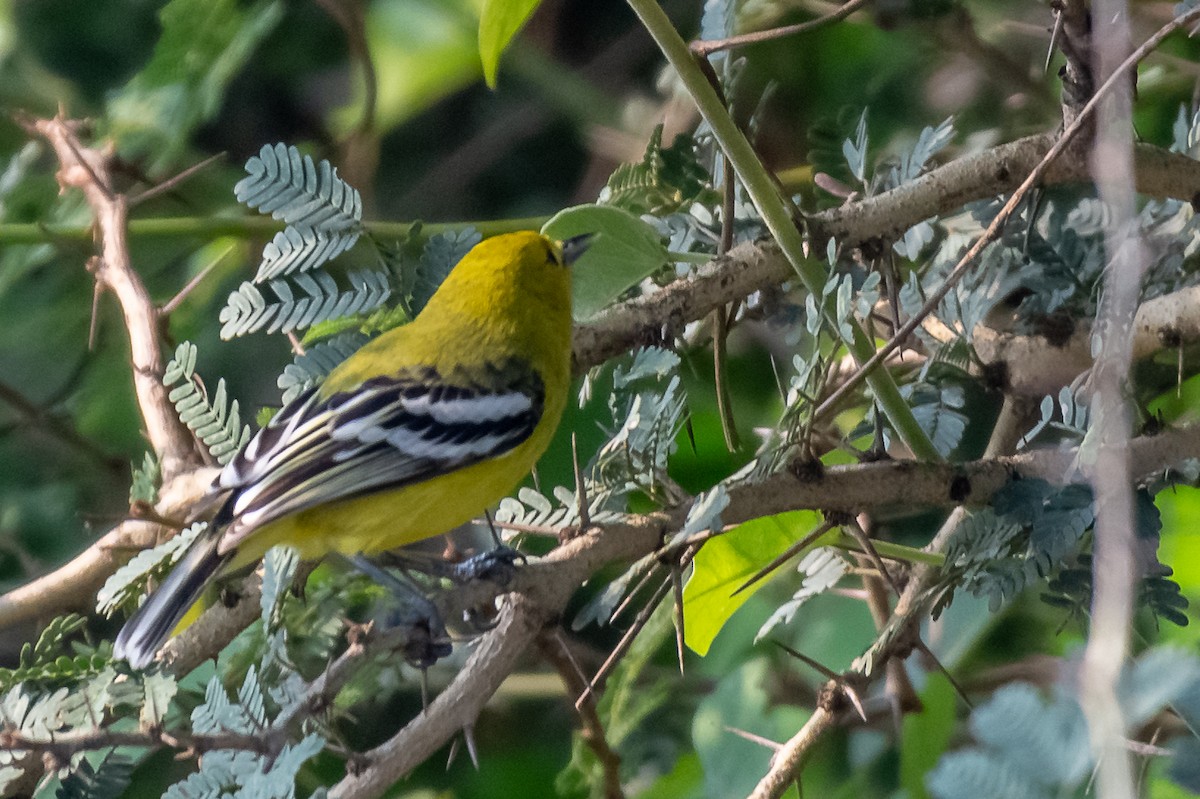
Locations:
86 169
1036 367
750 267
74 585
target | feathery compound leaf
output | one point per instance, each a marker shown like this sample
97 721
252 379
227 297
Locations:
667 179
822 568
129 582
289 186
531 509
217 424
279 567
144 486
248 311
107 779
306 370
441 253
299 249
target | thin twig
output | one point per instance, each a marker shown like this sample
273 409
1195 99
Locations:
706 48
170 183
556 650
993 230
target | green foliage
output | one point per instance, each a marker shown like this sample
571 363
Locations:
822 569
323 215
498 24
249 311
108 779
666 180
146 478
279 570
1031 744
646 408
250 773
1028 747
318 360
305 195
299 249
638 705
204 44
43 661
223 72
216 422
623 251
128 583
724 565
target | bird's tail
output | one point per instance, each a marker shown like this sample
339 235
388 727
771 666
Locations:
153 622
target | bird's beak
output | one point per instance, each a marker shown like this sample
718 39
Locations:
575 246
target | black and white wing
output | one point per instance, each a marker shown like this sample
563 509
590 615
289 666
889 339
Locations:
387 432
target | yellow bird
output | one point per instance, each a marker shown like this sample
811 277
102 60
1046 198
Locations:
416 433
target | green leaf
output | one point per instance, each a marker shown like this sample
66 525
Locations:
498 24
204 45
926 734
727 561
625 250
428 50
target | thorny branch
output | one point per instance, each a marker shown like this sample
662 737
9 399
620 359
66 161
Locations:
542 589
87 169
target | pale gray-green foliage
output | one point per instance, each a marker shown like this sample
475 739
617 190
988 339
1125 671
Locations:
704 515
821 570
144 485
441 253
1185 133
855 152
323 215
128 583
600 608
1034 743
904 169
87 699
279 570
317 361
239 773
248 310
633 458
1031 531
215 421
533 509
292 187
301 249
646 425
1069 419
108 778
939 410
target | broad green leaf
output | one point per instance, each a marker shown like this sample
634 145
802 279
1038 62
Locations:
1180 548
727 561
427 50
498 24
624 251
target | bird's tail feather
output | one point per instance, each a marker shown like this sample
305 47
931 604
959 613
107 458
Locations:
153 622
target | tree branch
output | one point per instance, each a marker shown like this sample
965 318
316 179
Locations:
87 169
656 317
